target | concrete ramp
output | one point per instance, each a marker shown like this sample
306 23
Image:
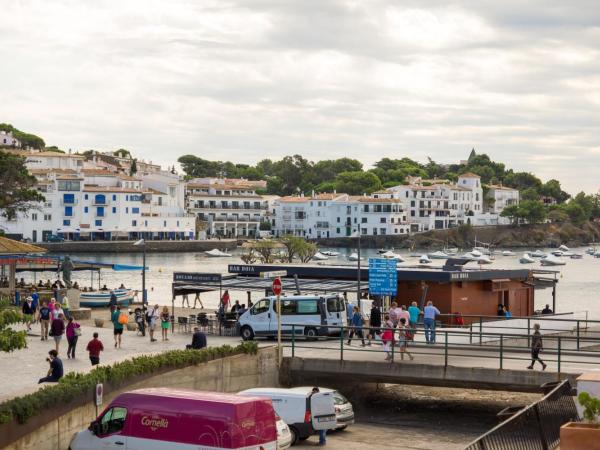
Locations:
322 371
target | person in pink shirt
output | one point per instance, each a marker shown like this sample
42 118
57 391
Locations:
402 313
51 307
393 312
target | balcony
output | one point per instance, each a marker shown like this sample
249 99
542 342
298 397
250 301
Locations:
100 202
68 202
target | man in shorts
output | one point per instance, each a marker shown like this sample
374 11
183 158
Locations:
117 326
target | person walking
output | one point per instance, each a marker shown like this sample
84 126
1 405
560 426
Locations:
536 347
387 337
28 311
184 300
55 372
117 326
374 323
44 321
322 433
94 347
58 311
197 299
57 329
356 324
429 314
73 332
152 321
404 335
165 322
112 303
394 310
35 303
65 306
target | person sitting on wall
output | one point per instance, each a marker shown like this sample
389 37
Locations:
122 286
198 340
55 372
76 285
40 284
104 288
547 310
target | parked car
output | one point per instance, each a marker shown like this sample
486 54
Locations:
55 238
164 419
304 413
284 436
344 412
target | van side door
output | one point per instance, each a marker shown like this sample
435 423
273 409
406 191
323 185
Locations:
261 315
110 429
322 411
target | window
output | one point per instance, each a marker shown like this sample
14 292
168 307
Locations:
172 191
127 210
115 197
306 307
98 223
335 305
382 219
382 231
68 211
69 185
135 210
100 199
134 223
68 199
66 223
100 211
363 220
47 217
288 307
86 196
85 209
261 307
114 209
113 421
34 217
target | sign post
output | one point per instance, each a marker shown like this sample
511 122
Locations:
276 288
383 277
98 395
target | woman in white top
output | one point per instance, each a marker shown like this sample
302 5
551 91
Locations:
57 312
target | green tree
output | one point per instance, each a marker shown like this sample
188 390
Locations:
53 148
10 339
357 183
512 212
17 193
552 188
533 211
577 215
133 168
26 139
558 215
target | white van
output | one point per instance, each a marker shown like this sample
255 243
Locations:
308 313
303 411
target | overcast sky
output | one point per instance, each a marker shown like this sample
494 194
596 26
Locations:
250 79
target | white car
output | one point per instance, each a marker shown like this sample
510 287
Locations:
284 437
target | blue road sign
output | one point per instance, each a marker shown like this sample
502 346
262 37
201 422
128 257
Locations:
383 276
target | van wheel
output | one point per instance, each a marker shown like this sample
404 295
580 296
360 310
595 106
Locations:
294 434
247 333
311 334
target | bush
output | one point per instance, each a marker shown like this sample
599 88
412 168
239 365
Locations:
78 385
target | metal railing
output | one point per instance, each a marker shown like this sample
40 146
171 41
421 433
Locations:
536 426
449 347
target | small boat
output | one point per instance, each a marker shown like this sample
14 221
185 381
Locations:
508 253
451 251
216 253
330 253
424 259
591 251
537 254
482 250
552 260
476 253
320 256
353 257
382 250
526 259
483 259
557 253
438 255
597 254
391 255
576 256
564 248
100 299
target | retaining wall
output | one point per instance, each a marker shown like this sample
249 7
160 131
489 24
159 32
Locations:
52 430
128 247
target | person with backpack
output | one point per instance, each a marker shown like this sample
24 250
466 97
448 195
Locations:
117 326
73 332
404 336
356 324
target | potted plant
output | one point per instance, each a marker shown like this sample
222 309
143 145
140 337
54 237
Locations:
583 435
99 323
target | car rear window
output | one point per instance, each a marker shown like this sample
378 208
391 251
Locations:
339 399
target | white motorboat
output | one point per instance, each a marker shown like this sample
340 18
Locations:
353 257
537 254
552 260
424 259
483 259
576 256
382 251
508 253
438 255
482 250
330 253
597 254
475 253
216 253
564 248
526 259
391 255
320 257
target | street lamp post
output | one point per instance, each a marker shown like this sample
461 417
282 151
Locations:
142 243
358 276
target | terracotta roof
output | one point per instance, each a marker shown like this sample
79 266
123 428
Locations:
469 175
363 199
69 177
99 172
57 154
116 189
223 187
46 171
501 188
12 247
154 191
294 199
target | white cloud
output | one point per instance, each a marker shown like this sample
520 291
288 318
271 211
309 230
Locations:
248 79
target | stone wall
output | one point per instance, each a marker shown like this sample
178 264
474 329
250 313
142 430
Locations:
230 374
128 247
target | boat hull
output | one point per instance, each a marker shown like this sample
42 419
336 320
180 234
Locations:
102 299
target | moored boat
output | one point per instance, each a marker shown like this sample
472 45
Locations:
101 299
526 259
424 259
537 254
391 255
330 253
552 260
438 255
353 257
216 253
508 253
320 256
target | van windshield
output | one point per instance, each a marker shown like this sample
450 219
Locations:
335 304
261 306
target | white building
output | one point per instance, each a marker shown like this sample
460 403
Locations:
97 204
228 209
338 215
8 140
501 197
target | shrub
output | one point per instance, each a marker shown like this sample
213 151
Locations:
77 385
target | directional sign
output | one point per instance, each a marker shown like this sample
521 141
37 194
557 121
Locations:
383 276
99 394
276 288
273 274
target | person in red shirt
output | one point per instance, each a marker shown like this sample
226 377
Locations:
94 348
225 300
